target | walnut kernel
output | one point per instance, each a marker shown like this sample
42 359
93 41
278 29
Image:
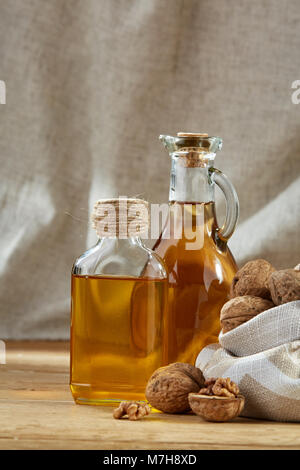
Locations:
220 387
132 409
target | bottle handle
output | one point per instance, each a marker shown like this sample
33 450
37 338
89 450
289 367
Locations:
232 204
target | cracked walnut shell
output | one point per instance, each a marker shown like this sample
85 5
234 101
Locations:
252 279
241 309
218 401
215 408
168 387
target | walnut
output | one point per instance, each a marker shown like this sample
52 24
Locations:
252 279
168 387
132 409
241 309
285 285
220 387
219 401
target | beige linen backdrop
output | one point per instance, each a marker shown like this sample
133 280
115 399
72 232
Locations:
90 86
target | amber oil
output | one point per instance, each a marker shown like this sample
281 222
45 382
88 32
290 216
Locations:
199 280
117 327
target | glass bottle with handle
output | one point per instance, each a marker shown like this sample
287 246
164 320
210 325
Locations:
194 247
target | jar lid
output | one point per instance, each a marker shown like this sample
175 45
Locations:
120 217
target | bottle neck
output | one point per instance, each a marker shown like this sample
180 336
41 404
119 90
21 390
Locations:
119 256
190 183
117 244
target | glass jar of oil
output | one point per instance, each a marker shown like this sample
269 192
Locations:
199 262
119 300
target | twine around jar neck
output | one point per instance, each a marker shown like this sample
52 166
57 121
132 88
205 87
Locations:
120 217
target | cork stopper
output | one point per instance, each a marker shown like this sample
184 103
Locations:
120 217
192 134
193 157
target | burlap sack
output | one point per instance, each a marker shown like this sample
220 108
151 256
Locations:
263 357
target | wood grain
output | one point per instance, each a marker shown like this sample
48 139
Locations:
37 412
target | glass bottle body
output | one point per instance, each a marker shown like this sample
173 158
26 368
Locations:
119 295
199 282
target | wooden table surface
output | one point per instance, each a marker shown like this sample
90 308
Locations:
37 412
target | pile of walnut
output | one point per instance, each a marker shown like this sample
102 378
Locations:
256 287
180 387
